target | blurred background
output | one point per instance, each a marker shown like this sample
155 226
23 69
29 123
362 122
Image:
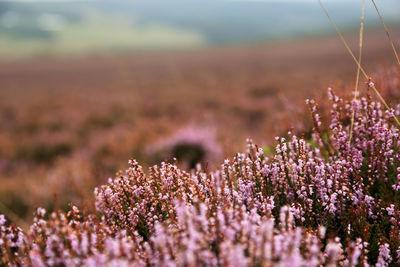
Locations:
40 28
87 85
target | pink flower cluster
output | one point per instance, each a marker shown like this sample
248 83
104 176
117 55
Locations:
194 142
323 201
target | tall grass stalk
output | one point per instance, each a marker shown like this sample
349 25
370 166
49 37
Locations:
371 84
387 32
358 67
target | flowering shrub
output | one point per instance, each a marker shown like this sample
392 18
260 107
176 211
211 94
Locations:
322 201
189 146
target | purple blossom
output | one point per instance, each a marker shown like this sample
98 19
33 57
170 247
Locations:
309 204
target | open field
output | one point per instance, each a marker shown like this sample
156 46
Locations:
327 198
69 123
219 154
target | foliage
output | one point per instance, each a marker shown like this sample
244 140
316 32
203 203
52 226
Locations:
325 201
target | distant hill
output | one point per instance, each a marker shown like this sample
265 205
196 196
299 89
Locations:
61 27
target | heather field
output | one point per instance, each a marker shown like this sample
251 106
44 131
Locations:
253 154
71 123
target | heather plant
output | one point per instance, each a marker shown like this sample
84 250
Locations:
320 201
189 146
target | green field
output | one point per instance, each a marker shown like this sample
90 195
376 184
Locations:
37 28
